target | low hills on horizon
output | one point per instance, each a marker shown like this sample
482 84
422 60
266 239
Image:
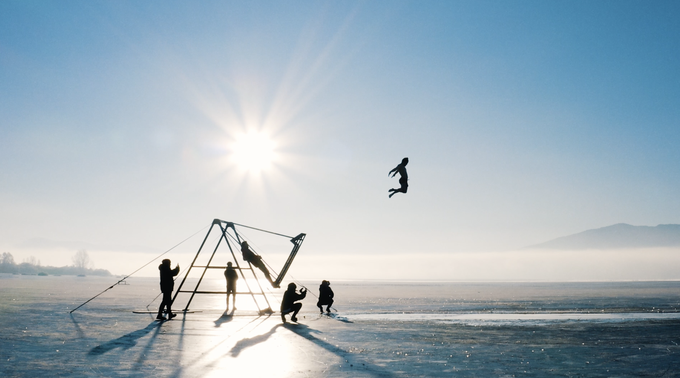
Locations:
618 236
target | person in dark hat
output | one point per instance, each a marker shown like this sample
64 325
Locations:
288 304
167 285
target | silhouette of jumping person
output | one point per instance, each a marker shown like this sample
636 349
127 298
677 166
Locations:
325 296
231 276
288 304
256 260
403 179
167 285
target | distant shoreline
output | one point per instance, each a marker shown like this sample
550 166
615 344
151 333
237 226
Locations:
35 270
391 281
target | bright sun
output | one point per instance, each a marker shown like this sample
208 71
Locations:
253 152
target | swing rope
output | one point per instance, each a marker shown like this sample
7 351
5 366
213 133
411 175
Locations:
259 229
272 270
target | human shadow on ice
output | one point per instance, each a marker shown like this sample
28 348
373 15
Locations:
251 341
146 350
226 317
353 360
125 341
339 318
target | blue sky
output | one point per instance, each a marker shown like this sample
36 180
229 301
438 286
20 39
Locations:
523 121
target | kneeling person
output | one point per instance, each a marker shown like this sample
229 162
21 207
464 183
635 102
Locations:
288 304
325 296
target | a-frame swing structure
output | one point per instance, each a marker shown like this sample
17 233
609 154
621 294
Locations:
231 237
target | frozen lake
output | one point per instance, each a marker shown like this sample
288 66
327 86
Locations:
381 329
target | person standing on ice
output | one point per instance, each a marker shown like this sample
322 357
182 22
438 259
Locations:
231 276
403 179
325 296
288 304
256 260
167 285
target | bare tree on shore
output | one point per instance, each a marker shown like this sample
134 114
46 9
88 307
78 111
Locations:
82 260
32 261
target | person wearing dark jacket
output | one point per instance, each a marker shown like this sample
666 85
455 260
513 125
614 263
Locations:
167 285
231 276
288 304
325 296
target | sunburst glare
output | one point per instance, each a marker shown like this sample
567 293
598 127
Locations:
253 152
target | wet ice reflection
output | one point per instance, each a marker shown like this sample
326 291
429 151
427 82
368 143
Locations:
246 348
516 318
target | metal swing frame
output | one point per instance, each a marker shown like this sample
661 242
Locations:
225 228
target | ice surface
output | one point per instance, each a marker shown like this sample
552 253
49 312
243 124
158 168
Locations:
381 330
516 319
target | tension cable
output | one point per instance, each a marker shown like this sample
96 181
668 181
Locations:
142 267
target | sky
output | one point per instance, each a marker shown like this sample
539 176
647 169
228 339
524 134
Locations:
126 127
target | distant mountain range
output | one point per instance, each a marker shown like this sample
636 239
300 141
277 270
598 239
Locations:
618 236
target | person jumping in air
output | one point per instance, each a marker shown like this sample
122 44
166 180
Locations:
288 304
325 296
403 179
256 260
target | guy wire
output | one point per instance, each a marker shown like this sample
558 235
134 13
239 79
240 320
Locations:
143 266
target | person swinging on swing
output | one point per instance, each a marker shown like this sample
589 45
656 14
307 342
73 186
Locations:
255 260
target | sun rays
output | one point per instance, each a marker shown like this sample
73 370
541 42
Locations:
253 152
256 144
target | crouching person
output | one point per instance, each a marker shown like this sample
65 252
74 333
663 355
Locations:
288 304
325 296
